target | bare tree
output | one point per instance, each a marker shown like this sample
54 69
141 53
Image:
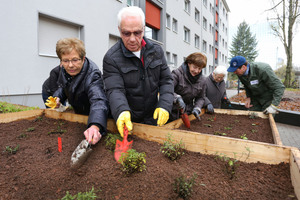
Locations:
283 26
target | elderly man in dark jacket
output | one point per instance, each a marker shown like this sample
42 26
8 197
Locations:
138 81
80 82
215 89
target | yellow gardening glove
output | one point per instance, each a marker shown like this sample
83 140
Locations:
162 115
124 118
51 102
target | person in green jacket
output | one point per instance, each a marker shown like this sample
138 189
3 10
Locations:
263 88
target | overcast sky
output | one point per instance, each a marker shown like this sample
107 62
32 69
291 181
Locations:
253 12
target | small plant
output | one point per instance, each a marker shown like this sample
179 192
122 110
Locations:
22 135
253 115
219 133
253 131
30 129
230 164
81 196
110 141
11 150
39 118
133 161
184 186
58 130
212 119
172 150
207 125
9 108
244 137
227 128
236 121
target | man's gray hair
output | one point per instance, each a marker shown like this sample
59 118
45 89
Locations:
220 70
131 11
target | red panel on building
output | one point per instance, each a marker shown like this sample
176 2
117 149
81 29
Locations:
152 15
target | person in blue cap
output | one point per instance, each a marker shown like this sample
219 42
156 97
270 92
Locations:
263 88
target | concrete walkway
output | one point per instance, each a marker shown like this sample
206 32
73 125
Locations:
289 135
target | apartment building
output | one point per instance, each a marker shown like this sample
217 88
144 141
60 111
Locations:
30 30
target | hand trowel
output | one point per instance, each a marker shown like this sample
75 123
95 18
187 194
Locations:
81 153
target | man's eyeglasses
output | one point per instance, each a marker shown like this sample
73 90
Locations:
135 33
73 61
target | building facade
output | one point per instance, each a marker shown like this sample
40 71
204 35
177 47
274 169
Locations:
30 30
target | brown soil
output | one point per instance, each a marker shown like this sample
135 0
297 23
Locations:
289 101
234 126
38 171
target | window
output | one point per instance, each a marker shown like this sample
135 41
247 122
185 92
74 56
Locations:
217 18
225 45
174 25
223 27
50 30
223 42
204 46
210 8
168 21
210 28
187 6
131 3
205 3
168 57
175 59
186 34
197 15
204 23
209 48
151 33
197 41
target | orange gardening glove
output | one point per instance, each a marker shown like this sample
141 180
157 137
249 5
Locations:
51 102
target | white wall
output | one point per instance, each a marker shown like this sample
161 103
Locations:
22 69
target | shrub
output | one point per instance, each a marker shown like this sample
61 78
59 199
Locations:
172 150
133 161
184 186
110 141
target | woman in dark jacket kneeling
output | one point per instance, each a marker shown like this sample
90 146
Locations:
80 81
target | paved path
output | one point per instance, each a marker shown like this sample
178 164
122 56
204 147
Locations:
289 135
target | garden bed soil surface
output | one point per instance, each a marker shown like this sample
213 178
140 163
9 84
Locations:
235 126
39 171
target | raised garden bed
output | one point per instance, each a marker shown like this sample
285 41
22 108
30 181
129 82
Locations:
245 125
38 171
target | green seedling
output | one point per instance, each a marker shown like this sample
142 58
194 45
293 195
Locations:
11 150
212 119
39 118
236 121
253 115
30 129
110 141
227 128
171 149
183 186
219 133
9 108
244 137
22 135
253 131
207 125
58 130
90 195
230 164
133 161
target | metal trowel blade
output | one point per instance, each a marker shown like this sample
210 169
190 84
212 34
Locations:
81 153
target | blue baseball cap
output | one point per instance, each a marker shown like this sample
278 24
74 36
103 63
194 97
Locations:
236 62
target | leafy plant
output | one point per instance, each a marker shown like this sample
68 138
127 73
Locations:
133 161
30 129
253 115
39 118
22 135
90 195
171 149
9 108
253 131
230 164
11 150
110 141
227 128
58 130
244 137
219 133
183 186
212 119
207 125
